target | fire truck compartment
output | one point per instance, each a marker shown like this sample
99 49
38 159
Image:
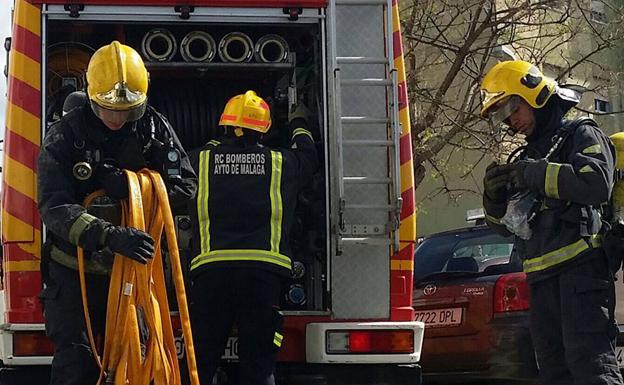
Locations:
194 69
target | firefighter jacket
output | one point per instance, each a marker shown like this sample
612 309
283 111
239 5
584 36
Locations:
572 185
246 202
80 136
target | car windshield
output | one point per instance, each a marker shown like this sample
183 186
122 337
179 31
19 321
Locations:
481 252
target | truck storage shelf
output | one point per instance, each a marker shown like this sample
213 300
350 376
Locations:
219 66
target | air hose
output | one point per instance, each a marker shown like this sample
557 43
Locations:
139 346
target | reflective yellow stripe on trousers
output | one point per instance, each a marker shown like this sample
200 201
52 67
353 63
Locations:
277 339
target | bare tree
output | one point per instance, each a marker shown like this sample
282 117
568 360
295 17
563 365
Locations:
449 44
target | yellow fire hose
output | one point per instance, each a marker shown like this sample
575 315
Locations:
137 293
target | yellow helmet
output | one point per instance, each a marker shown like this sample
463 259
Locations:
117 83
247 110
518 78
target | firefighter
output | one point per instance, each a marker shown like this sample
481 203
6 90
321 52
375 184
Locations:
86 151
242 218
567 169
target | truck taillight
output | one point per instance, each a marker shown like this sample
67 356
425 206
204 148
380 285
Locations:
370 341
511 293
32 344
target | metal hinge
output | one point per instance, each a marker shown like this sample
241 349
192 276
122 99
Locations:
341 211
7 48
293 13
338 245
74 9
397 213
184 11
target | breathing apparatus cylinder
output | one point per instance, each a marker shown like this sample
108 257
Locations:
617 200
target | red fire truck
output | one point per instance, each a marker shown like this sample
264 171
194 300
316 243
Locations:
348 304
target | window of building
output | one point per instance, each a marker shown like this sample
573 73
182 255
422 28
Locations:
601 105
598 12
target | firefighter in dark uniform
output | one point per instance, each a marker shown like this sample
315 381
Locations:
569 168
86 151
242 219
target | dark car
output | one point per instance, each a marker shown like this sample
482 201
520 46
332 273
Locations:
470 291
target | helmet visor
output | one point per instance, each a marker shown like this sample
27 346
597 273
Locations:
501 111
118 117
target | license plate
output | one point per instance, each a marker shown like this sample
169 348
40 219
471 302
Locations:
440 317
619 354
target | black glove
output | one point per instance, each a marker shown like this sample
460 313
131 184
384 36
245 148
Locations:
129 242
516 174
114 181
495 181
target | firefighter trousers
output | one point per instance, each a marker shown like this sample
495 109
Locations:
248 297
573 324
73 362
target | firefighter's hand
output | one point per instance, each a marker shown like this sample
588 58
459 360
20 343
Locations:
130 242
495 181
114 180
517 174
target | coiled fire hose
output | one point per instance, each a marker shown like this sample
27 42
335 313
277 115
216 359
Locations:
137 297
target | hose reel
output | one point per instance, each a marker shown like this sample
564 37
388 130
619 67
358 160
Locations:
198 46
159 45
271 49
236 47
